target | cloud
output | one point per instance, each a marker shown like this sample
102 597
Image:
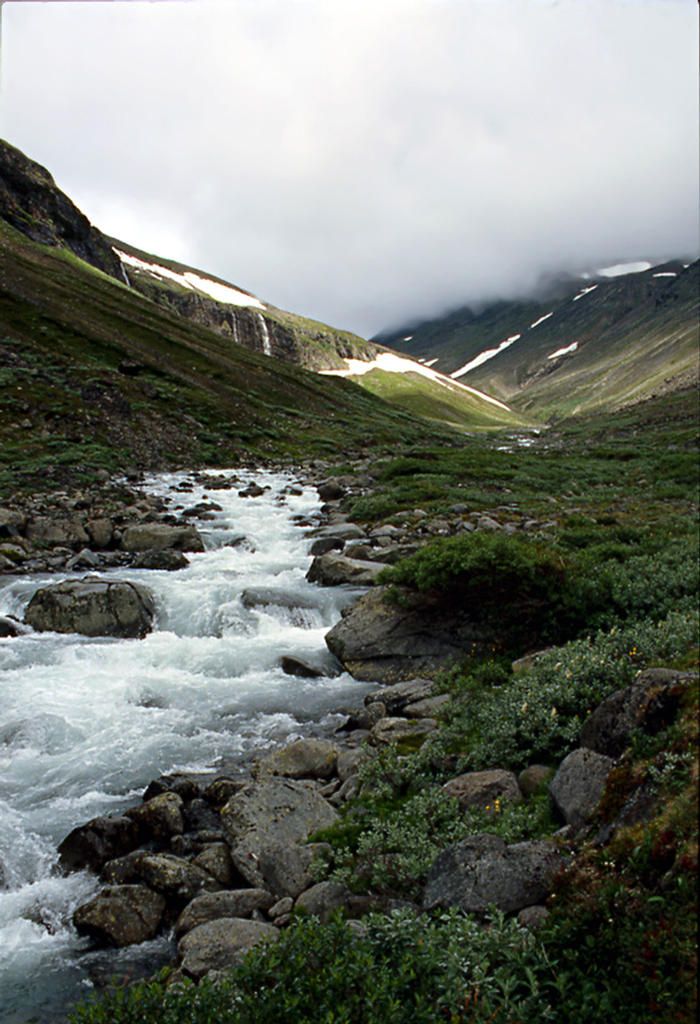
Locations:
366 162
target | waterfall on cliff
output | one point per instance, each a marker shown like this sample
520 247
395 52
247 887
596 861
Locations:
265 335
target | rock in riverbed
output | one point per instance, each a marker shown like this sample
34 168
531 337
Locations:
93 607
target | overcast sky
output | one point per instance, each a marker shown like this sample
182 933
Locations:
364 162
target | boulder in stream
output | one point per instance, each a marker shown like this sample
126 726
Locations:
98 841
121 915
92 607
334 570
160 536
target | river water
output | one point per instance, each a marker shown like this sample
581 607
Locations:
85 724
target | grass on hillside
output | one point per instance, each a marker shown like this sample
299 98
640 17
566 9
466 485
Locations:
96 375
433 401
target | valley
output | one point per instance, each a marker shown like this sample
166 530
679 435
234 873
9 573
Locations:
412 611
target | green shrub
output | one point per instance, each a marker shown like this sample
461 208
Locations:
395 851
517 589
399 969
538 715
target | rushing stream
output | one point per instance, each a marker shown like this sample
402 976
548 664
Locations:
85 724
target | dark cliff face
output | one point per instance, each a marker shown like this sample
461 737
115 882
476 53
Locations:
271 331
31 202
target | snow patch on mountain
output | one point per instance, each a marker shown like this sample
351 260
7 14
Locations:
214 289
484 356
624 268
392 363
584 291
564 351
541 320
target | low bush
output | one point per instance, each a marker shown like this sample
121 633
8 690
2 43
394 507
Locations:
399 969
539 714
519 590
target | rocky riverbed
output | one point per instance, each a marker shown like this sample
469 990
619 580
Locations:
211 859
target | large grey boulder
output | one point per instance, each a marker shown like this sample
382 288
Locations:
215 859
534 778
428 708
322 899
393 730
98 841
54 531
341 531
158 536
92 607
379 640
121 915
286 868
269 812
221 944
334 570
349 761
211 906
482 871
330 490
177 879
12 523
650 703
165 559
261 597
100 532
484 789
301 759
579 784
395 698
296 609
160 817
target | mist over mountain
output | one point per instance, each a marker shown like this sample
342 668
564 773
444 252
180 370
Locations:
605 339
364 163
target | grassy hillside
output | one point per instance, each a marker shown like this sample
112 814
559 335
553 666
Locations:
94 374
444 403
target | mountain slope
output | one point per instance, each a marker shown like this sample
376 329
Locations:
236 314
31 202
592 343
95 374
424 392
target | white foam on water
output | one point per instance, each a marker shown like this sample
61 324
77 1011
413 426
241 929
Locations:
86 723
